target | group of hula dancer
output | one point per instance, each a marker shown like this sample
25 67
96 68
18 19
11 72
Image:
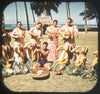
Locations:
46 54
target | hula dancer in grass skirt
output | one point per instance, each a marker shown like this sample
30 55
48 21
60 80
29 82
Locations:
91 73
7 54
19 55
18 34
64 59
7 50
78 66
67 33
36 34
30 51
19 64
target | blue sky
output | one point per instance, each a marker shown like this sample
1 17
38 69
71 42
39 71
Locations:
75 9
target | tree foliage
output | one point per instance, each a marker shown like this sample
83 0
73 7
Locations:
40 7
91 12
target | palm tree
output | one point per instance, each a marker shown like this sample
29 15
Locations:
16 12
32 13
67 9
91 12
50 16
3 24
26 16
85 18
40 7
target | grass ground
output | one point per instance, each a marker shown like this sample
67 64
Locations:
57 83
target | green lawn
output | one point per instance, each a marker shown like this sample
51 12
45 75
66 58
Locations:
57 83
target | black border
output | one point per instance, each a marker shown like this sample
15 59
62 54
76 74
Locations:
4 90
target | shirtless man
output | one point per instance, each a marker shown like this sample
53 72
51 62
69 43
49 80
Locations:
43 58
36 33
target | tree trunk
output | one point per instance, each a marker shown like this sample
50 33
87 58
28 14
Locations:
32 13
45 9
50 15
69 10
26 16
66 9
3 24
16 13
45 12
85 18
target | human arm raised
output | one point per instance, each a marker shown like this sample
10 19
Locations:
31 32
45 53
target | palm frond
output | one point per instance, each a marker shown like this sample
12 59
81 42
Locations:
90 12
39 7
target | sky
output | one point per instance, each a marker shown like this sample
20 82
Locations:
75 9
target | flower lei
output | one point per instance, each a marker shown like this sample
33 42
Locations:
95 62
72 36
78 63
19 33
67 33
6 56
21 52
63 60
32 55
86 49
52 30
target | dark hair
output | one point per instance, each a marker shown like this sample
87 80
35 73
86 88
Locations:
39 23
70 19
19 22
38 47
45 43
55 21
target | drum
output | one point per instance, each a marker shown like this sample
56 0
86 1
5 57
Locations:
40 73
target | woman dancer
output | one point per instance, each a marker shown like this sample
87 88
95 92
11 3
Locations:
36 33
67 33
18 34
79 65
52 32
91 73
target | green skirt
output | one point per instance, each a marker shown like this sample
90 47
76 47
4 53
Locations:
73 70
90 73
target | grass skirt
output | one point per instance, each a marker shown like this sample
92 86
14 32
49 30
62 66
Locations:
57 66
73 70
17 68
90 73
